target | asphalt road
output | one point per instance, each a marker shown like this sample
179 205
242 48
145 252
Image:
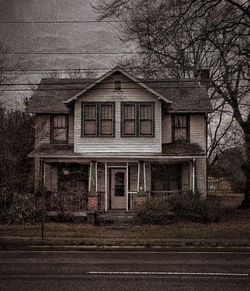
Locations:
124 270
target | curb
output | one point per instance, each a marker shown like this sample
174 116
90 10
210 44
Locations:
116 248
11 243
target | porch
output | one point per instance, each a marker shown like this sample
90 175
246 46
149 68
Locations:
103 186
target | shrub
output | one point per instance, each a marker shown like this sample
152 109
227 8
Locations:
193 208
17 208
188 207
155 211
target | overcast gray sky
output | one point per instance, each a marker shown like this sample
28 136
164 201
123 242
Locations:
57 37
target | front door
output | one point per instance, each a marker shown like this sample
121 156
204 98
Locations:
118 188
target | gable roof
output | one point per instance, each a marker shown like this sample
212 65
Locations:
53 95
129 76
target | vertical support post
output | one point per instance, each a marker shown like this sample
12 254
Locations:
92 195
43 198
193 176
93 177
106 187
127 198
141 177
141 196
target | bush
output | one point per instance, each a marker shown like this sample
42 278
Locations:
193 208
17 208
187 207
155 211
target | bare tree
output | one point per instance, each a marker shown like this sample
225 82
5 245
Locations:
179 38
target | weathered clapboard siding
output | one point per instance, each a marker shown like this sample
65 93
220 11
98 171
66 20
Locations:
201 176
166 128
71 129
42 129
185 177
130 92
198 129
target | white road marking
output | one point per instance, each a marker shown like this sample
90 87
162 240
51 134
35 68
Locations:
170 273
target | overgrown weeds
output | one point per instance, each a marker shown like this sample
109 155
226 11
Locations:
17 208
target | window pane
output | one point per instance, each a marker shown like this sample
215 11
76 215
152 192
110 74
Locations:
180 134
106 127
106 112
119 184
181 121
146 127
89 112
184 121
59 121
90 127
59 134
129 112
146 112
129 127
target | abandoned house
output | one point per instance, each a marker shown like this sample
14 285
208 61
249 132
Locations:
109 143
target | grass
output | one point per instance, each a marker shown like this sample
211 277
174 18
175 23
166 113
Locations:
235 225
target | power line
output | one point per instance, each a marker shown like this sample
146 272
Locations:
73 53
103 53
102 89
77 81
61 22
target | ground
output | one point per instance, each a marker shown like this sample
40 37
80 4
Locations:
233 229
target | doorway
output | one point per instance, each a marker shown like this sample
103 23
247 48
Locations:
118 189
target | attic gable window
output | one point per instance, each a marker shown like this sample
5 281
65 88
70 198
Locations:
59 129
180 127
118 85
98 119
138 119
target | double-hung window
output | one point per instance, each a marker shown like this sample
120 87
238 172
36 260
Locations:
180 127
59 128
98 119
137 119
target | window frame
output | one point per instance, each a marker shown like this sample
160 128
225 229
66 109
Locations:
52 127
152 119
187 127
138 119
98 119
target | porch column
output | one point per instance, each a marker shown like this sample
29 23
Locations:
92 191
193 179
141 185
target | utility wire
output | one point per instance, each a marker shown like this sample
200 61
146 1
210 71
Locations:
79 89
61 22
100 53
81 81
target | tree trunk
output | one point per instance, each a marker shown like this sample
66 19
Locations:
246 167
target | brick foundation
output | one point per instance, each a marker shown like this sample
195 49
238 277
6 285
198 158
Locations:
92 202
141 199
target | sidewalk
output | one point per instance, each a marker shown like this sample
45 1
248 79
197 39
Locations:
17 242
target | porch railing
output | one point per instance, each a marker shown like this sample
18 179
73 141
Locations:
170 193
155 195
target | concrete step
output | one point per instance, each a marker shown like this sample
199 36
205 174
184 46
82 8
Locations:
115 217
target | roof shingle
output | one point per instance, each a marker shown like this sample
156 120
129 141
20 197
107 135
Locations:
186 94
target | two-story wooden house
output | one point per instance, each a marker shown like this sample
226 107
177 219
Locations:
117 139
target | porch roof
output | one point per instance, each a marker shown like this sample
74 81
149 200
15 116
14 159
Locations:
169 151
